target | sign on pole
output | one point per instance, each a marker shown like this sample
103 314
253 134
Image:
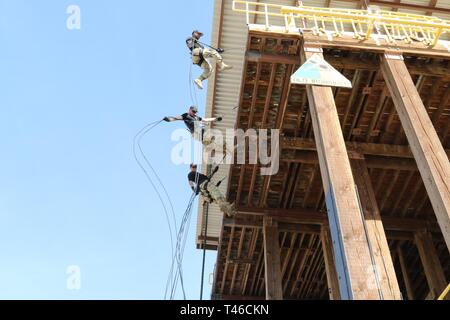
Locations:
316 71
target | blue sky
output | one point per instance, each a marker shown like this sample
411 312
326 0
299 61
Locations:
70 103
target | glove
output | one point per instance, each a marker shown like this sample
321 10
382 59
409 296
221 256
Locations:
166 119
196 190
220 50
219 119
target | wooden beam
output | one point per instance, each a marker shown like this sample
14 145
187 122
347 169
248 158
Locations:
432 161
374 162
391 163
263 125
286 215
256 56
396 227
225 268
286 87
256 272
425 68
330 265
406 278
288 277
301 265
400 235
250 254
432 4
410 6
361 106
288 255
348 42
351 248
237 297
306 228
373 149
245 216
374 122
249 125
272 270
236 265
375 233
442 105
431 264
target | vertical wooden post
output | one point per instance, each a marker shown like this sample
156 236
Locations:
330 266
431 264
357 278
375 232
272 264
406 279
428 151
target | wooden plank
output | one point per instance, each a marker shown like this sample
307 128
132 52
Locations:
238 258
375 232
432 4
409 6
293 264
431 264
400 235
310 271
228 254
330 266
357 78
428 151
434 69
250 256
238 297
256 273
351 248
361 106
288 255
263 125
405 274
313 217
219 255
288 215
394 233
249 125
374 122
388 192
373 149
310 157
405 188
348 42
442 105
302 263
272 267
278 125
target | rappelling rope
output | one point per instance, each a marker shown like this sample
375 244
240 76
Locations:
136 142
179 251
181 244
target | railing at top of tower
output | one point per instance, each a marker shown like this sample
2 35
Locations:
394 26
